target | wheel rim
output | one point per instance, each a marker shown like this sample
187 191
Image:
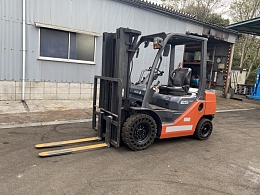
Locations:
141 132
206 130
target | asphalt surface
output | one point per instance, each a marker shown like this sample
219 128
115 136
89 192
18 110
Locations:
227 163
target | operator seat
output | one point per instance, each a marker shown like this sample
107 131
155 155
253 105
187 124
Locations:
179 82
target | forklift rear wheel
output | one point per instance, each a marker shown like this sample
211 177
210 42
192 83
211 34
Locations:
139 131
203 129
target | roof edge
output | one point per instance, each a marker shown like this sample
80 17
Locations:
243 22
158 8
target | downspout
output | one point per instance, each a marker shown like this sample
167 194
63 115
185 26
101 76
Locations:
23 79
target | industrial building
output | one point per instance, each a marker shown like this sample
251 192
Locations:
52 49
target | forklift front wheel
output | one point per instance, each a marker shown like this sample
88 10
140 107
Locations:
139 131
203 129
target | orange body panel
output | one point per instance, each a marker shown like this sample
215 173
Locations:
186 124
211 103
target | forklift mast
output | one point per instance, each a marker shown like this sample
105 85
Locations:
117 53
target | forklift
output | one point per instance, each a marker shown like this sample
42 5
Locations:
138 113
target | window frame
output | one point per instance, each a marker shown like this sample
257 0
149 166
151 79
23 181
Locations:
69 31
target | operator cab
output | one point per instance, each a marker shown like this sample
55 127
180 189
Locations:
176 95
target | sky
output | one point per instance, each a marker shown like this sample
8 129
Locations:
156 1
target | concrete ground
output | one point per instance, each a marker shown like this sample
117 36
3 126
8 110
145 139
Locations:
227 163
43 112
47 112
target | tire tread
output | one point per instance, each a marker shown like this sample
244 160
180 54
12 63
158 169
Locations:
126 131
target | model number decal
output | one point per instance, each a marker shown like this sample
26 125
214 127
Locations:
138 92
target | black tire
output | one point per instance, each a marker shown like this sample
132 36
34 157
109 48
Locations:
203 129
139 131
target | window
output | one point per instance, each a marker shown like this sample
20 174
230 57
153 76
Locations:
66 46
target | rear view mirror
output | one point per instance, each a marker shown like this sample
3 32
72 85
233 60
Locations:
146 43
166 50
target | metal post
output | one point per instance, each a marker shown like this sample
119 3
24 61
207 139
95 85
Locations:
203 64
23 77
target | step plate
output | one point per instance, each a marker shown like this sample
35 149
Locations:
63 143
71 150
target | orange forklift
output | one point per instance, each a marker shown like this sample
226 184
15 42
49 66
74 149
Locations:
138 113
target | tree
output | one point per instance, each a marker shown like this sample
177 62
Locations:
248 46
217 19
201 9
241 10
252 77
